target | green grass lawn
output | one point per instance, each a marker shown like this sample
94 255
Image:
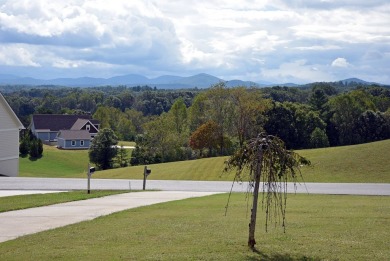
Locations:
56 163
202 169
38 200
319 227
126 143
368 162
358 163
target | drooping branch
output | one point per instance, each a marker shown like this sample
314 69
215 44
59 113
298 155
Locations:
266 159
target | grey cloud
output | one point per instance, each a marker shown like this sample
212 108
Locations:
77 40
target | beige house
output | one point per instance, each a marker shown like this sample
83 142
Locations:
10 126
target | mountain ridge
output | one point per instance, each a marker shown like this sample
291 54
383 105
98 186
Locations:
202 80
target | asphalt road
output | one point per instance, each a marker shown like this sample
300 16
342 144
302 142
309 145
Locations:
19 183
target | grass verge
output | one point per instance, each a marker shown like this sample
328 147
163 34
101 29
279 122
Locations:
39 200
319 227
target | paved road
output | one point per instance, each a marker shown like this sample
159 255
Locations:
19 183
14 224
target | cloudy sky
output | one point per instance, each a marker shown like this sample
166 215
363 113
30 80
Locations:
274 41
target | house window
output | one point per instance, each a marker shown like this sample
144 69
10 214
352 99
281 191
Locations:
73 143
81 143
88 127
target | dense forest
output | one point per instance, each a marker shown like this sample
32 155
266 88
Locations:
170 125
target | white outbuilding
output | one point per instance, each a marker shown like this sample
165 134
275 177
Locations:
10 127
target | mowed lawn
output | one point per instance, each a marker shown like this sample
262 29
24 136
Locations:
55 163
319 227
368 162
358 163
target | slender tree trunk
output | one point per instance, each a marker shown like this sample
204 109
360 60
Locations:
252 224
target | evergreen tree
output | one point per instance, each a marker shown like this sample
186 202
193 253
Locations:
24 146
103 149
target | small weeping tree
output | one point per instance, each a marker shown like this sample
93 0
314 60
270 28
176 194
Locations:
266 160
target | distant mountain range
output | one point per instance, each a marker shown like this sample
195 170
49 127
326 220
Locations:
202 80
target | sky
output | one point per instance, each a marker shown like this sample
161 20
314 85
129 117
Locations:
276 41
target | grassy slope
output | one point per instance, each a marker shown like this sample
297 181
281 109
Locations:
319 227
359 163
56 163
203 169
368 162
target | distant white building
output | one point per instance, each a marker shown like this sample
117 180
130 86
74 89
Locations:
10 126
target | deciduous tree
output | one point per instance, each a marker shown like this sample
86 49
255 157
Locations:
266 159
205 137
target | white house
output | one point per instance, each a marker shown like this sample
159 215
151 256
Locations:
10 126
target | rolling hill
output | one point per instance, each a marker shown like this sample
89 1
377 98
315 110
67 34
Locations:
368 162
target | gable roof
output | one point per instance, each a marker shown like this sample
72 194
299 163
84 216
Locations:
11 113
57 122
74 135
79 124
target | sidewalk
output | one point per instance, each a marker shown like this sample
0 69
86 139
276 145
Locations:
14 224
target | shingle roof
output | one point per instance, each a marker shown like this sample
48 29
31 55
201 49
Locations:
79 124
57 122
74 135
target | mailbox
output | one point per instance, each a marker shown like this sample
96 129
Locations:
91 170
146 173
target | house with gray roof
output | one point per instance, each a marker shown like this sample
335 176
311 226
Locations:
73 139
10 127
71 129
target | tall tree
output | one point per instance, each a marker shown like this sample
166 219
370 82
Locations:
197 111
281 123
220 111
179 114
346 110
249 110
103 148
266 158
318 99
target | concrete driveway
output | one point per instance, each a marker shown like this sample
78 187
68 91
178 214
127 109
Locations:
14 224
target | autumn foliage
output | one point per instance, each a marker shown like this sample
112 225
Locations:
205 137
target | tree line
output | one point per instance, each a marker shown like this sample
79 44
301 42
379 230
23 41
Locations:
170 125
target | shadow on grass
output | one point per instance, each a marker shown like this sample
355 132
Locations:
260 256
34 158
29 157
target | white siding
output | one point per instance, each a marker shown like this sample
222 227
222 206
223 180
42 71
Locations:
9 140
9 143
6 121
9 167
